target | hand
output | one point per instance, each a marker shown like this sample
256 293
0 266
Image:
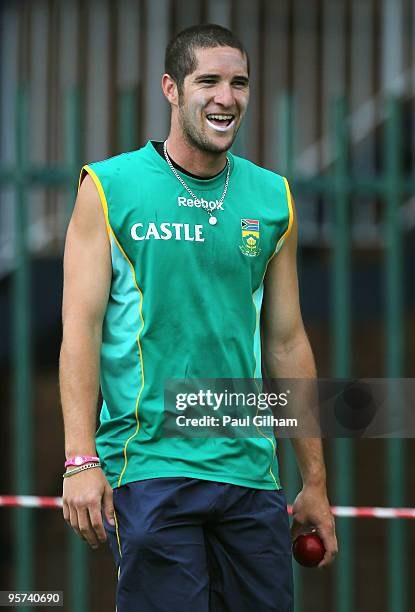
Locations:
84 495
311 509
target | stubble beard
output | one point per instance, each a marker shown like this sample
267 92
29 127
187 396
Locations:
198 138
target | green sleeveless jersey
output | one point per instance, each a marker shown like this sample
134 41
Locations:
185 302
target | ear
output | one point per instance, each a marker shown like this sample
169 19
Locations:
170 89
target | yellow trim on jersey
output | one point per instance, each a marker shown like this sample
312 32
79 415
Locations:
290 216
270 440
289 227
111 233
280 241
102 197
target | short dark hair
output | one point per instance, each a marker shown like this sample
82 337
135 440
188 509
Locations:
180 59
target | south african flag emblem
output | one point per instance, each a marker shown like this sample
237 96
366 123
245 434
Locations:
250 237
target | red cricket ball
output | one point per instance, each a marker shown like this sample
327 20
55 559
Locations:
308 549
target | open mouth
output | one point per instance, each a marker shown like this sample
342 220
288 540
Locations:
220 122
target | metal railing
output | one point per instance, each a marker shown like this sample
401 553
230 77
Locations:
391 188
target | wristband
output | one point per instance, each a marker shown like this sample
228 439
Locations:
81 460
86 466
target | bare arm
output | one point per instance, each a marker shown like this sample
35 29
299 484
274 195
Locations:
87 278
287 354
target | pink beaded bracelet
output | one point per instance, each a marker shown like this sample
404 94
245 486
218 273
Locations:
81 460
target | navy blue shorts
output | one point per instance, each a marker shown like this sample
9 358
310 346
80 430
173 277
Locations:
200 546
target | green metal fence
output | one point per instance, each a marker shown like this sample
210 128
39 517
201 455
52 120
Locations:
340 186
391 187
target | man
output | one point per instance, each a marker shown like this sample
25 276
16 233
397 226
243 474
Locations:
168 252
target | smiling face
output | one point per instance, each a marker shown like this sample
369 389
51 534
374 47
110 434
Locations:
214 99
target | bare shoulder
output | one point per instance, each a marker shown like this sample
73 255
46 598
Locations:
87 258
88 215
281 315
88 190
285 259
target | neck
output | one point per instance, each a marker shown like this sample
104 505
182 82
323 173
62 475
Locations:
192 159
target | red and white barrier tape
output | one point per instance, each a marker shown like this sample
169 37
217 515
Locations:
371 512
32 501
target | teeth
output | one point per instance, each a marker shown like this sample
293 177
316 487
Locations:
220 117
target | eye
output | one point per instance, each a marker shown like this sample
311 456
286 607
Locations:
240 83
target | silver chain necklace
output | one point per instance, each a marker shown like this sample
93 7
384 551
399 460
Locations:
212 219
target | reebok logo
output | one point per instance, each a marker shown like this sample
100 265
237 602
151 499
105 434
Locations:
212 204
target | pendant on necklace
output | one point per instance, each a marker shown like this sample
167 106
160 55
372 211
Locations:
213 220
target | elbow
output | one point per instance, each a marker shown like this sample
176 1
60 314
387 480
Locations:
278 354
289 355
282 347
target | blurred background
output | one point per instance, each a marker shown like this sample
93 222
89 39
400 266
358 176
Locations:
332 108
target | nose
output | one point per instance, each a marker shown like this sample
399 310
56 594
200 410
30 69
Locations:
224 95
